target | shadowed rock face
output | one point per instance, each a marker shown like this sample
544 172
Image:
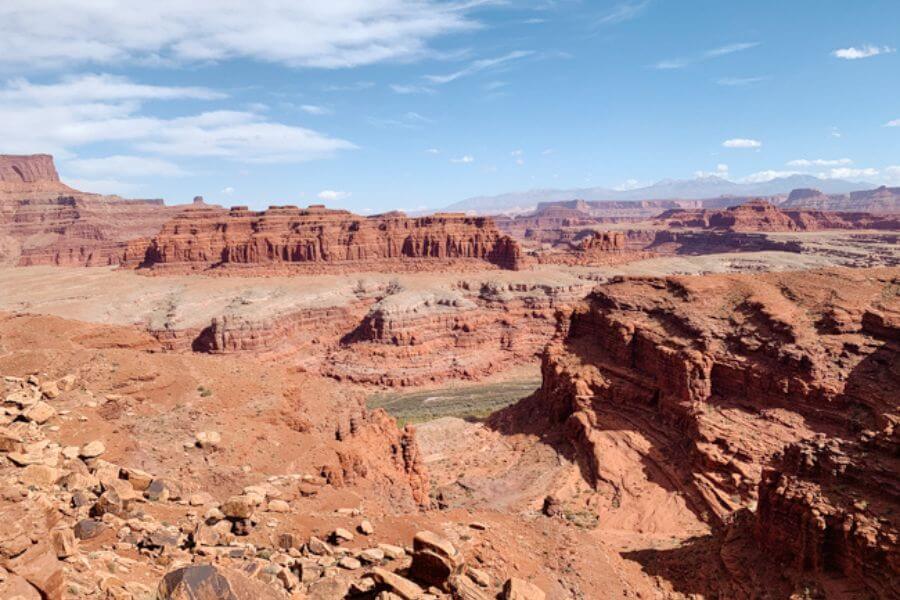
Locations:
316 236
209 582
780 389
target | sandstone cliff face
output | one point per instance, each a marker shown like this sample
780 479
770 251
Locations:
731 379
880 200
318 238
31 169
760 215
44 222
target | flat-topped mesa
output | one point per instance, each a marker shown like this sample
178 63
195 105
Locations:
317 237
760 215
33 172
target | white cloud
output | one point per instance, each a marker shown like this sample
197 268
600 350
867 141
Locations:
433 151
124 166
411 89
729 49
740 81
894 123
517 153
721 171
680 63
314 109
465 159
105 186
90 87
629 184
867 51
227 190
835 132
741 143
848 173
819 162
75 112
338 33
333 195
769 175
479 65
893 173
624 11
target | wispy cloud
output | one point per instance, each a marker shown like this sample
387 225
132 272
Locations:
740 81
432 151
894 123
721 171
463 160
867 51
479 65
741 143
819 162
314 109
335 34
411 89
408 120
624 11
124 166
680 63
64 116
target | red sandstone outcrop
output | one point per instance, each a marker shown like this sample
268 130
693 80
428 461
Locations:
880 200
732 380
318 239
44 222
760 215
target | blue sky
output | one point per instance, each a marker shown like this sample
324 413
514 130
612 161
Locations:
377 105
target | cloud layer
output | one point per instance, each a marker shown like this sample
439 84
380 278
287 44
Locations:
76 112
338 33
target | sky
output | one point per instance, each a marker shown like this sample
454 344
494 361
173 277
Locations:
377 105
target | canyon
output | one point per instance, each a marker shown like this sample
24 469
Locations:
659 399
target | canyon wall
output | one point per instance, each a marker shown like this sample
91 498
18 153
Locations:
736 383
317 239
45 222
760 215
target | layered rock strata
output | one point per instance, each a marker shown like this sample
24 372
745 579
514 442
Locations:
760 215
318 239
776 389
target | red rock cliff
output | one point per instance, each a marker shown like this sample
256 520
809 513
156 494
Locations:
781 388
318 237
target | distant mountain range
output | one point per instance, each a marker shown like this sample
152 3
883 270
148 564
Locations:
667 189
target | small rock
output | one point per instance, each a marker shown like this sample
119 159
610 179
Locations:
391 551
341 535
208 439
92 449
87 529
349 563
279 506
398 584
518 589
319 547
40 413
372 555
50 389
64 542
365 527
238 507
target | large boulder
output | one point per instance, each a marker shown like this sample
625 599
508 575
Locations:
211 582
435 559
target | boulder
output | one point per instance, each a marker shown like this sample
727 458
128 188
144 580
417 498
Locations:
212 582
92 449
238 507
518 589
435 559
397 584
40 567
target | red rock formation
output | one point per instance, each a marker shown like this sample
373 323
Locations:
27 172
879 200
317 238
44 222
760 215
720 374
